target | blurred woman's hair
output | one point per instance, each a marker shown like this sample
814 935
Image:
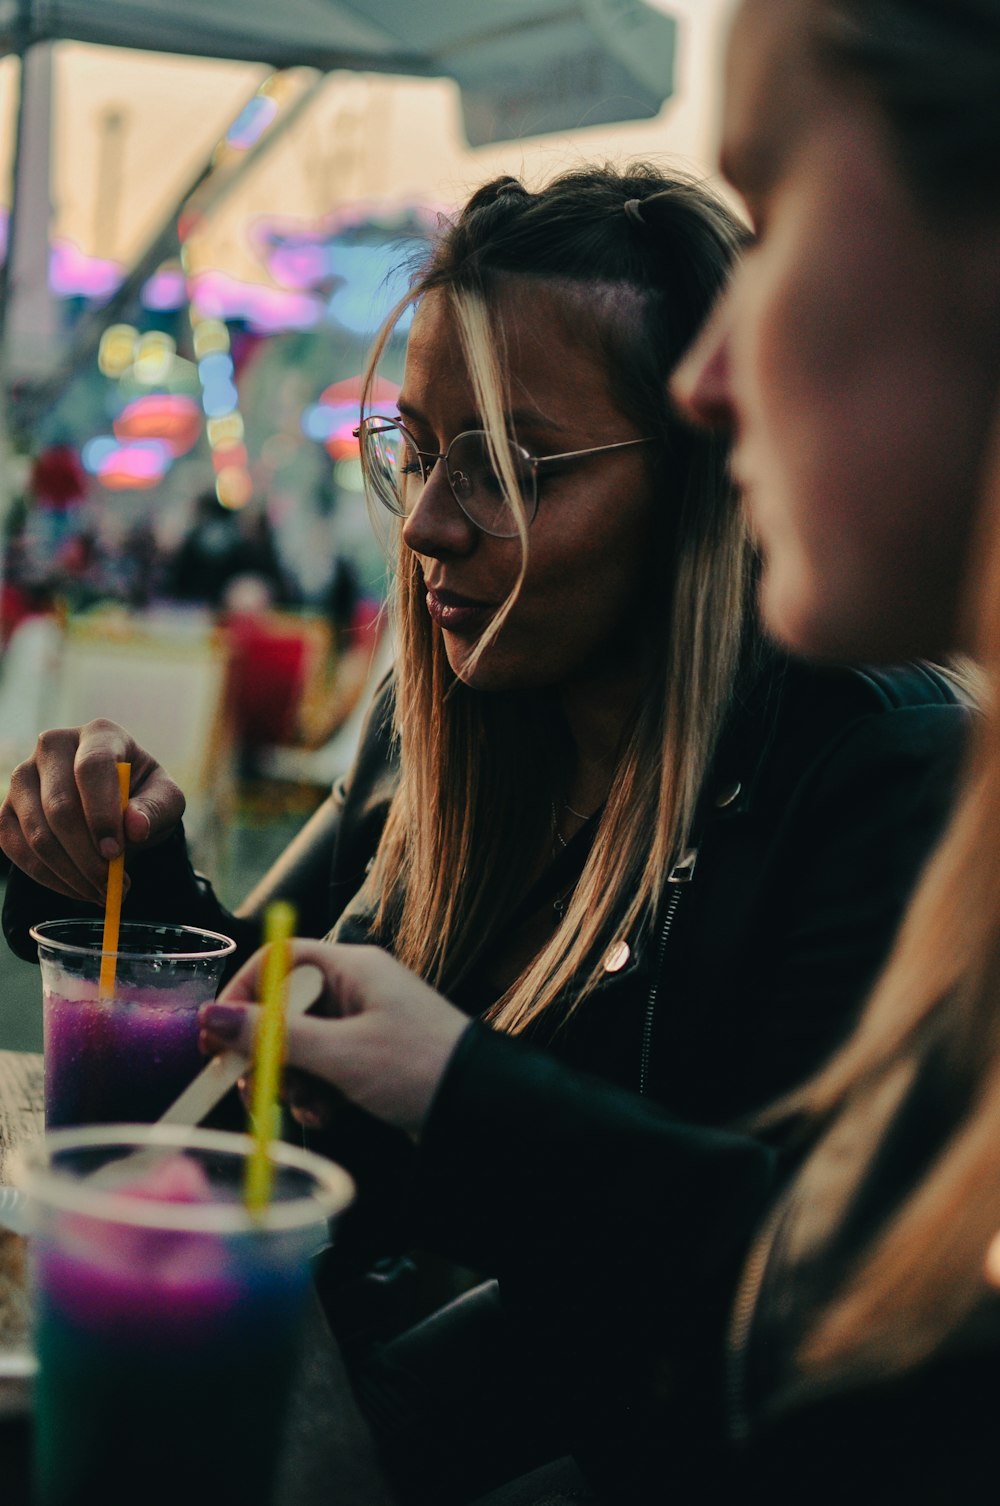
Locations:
480 771
931 64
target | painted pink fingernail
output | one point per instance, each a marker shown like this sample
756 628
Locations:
223 1020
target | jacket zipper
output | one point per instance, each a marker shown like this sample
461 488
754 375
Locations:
680 877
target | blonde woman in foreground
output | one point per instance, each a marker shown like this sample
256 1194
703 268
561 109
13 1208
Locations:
839 1341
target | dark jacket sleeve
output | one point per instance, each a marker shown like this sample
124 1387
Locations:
164 887
618 1233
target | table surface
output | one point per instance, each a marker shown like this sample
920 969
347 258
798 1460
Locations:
21 1114
325 1439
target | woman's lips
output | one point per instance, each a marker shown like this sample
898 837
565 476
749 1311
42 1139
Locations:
458 614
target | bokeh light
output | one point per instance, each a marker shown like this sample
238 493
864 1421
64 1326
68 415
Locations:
166 416
135 466
233 487
117 349
154 357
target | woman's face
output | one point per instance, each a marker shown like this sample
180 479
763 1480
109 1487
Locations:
854 359
588 583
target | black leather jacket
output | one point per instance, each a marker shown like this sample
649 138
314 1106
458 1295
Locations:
620 1225
827 790
655 1270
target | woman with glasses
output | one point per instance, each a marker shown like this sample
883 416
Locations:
591 806
839 1342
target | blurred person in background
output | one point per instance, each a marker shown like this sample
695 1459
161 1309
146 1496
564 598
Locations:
220 551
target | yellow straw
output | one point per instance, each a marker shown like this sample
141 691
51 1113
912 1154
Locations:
269 1049
113 904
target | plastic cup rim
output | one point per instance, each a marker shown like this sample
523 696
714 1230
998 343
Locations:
225 948
33 1173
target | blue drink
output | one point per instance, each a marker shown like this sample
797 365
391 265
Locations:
167 1319
186 1373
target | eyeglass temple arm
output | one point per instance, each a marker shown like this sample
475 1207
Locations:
597 449
536 460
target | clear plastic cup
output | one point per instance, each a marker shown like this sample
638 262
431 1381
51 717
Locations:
125 1059
167 1317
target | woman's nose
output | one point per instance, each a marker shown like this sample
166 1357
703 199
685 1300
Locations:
701 386
437 526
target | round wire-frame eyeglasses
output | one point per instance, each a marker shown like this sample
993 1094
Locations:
396 470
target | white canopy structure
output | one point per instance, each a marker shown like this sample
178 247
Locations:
524 66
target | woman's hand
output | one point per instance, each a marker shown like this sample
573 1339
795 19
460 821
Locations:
385 1048
62 820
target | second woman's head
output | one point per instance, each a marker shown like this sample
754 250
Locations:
855 357
545 490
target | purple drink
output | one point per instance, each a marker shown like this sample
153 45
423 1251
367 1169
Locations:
122 1060
126 1058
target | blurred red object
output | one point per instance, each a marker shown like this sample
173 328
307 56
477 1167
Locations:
57 477
274 657
18 603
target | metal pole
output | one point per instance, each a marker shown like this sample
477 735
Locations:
7 492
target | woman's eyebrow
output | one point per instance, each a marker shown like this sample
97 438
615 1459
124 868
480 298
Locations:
534 418
529 418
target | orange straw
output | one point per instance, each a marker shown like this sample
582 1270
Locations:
113 904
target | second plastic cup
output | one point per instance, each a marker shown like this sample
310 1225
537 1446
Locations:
125 1059
167 1317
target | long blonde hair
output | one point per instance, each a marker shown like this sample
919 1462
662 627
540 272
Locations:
922 1276
478 770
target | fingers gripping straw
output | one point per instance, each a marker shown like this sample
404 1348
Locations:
269 1047
113 904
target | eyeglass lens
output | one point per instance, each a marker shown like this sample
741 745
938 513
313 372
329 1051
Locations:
397 475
